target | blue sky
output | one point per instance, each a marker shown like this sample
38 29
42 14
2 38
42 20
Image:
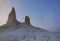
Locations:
43 13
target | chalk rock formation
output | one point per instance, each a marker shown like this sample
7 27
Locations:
27 20
12 17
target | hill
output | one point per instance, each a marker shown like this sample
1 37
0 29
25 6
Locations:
14 30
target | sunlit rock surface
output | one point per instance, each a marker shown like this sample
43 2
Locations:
12 17
17 31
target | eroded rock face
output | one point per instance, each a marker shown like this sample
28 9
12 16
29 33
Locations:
27 20
12 17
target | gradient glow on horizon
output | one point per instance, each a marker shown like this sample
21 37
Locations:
43 13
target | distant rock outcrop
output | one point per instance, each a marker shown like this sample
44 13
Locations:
27 20
12 17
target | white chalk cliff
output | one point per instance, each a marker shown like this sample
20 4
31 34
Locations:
14 30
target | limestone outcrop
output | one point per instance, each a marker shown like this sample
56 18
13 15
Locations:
12 17
27 20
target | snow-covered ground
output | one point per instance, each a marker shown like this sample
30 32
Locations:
25 32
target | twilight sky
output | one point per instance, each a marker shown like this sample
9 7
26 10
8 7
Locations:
43 13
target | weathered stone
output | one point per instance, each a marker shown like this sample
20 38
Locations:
27 20
12 17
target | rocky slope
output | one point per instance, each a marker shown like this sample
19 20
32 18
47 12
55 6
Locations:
17 31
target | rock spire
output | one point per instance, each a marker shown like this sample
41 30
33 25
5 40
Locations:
27 20
12 17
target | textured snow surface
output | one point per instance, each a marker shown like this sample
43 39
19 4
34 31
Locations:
27 33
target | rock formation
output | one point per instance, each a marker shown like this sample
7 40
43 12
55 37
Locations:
27 20
12 17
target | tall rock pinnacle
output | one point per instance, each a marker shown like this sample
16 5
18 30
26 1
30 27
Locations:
12 16
27 20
